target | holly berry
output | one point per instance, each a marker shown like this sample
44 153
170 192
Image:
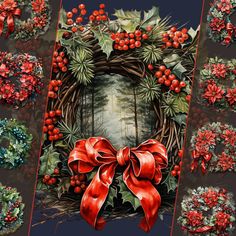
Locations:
56 171
102 6
150 67
180 153
81 6
162 68
188 98
77 190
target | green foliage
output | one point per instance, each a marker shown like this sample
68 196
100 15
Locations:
49 161
169 106
149 89
110 198
150 54
170 182
181 105
82 66
151 18
104 41
63 186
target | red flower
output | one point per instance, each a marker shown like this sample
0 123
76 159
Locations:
27 67
231 96
22 95
219 70
206 137
4 71
195 218
40 21
230 137
217 24
226 162
38 6
7 91
8 5
213 93
222 220
210 198
225 6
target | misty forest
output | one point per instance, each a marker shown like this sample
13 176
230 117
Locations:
111 107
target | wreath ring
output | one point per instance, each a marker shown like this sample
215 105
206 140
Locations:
204 146
19 143
218 84
27 71
12 210
35 25
220 205
220 27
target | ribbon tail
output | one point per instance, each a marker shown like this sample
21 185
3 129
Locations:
203 166
96 195
148 196
10 24
2 19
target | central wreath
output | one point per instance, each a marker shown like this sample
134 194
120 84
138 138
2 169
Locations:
159 59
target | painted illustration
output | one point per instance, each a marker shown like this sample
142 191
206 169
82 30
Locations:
114 129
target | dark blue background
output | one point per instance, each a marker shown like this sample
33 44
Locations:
182 11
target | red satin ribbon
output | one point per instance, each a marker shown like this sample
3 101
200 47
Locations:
204 160
9 16
231 29
203 229
142 166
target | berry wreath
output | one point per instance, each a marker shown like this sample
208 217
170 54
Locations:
204 146
202 200
217 83
19 143
37 24
11 217
27 71
156 61
219 24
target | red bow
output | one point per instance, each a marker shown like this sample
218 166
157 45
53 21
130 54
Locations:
204 160
9 15
142 166
231 29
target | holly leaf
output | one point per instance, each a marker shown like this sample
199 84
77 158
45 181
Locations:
179 70
127 195
41 186
170 182
180 103
110 198
151 17
193 33
63 19
104 41
49 161
15 212
180 119
128 25
172 60
63 186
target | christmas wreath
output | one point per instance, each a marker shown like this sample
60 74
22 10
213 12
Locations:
208 211
220 26
155 61
17 141
11 217
20 78
11 24
217 83
204 148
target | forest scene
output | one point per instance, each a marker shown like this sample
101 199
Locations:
112 108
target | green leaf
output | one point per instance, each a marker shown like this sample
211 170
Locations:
127 195
181 105
170 182
104 41
49 161
151 17
179 70
110 198
63 186
60 33
180 119
128 25
193 33
63 19
172 60
15 212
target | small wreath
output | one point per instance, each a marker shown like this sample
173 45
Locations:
19 143
11 214
204 148
20 78
35 25
219 24
218 83
208 211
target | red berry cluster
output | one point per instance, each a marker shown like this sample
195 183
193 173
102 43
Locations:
49 128
9 218
53 88
174 38
79 14
60 62
99 15
125 41
176 170
49 180
78 183
167 78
